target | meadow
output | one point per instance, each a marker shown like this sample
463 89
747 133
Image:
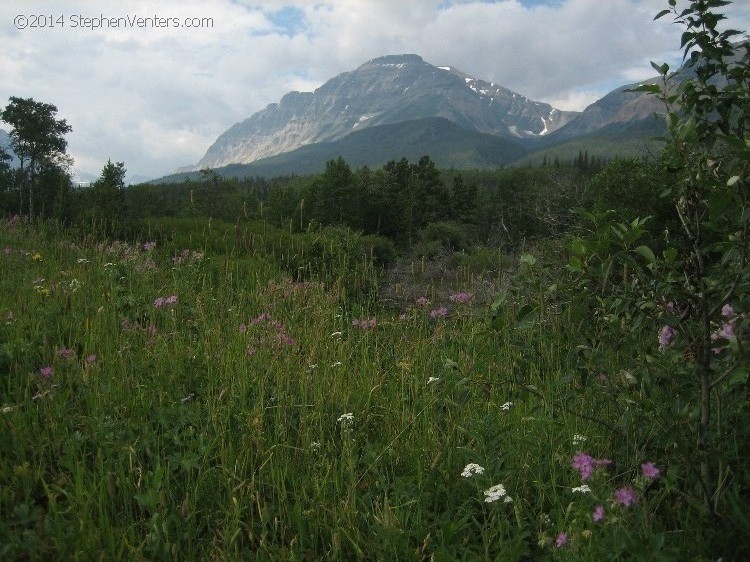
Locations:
190 399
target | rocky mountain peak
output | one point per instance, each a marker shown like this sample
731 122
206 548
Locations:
384 90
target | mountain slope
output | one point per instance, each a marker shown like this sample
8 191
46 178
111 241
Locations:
385 90
450 146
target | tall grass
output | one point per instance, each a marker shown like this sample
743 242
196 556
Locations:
214 425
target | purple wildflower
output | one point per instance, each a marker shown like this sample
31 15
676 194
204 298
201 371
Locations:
626 496
171 300
462 297
46 372
148 246
727 311
586 464
598 514
561 540
650 471
159 302
243 328
422 301
441 312
66 352
90 359
666 337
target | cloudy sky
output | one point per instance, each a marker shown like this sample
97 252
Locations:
154 93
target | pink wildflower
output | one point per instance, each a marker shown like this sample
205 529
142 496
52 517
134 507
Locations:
171 300
727 311
562 540
159 302
422 301
650 471
441 312
90 359
626 496
666 337
243 328
355 323
598 513
66 352
46 372
586 464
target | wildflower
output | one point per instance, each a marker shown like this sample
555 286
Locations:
441 312
402 316
148 246
46 372
598 514
582 489
82 260
650 471
432 380
561 540
586 464
66 352
90 358
171 301
243 328
578 439
159 302
75 284
495 493
37 257
422 301
472 469
626 496
505 407
346 420
315 446
250 351
461 298
336 364
727 311
666 337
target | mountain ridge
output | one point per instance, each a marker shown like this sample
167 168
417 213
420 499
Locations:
384 90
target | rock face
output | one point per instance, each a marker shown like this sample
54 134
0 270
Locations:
385 90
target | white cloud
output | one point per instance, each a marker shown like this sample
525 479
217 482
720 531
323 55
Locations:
156 98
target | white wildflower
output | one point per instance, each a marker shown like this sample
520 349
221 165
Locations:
346 419
578 439
471 469
315 446
583 489
433 379
506 406
336 364
495 493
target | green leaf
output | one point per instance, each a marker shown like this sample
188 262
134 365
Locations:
646 88
662 69
646 252
662 14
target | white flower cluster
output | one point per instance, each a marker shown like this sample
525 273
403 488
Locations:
497 492
471 469
578 439
346 419
583 489
505 407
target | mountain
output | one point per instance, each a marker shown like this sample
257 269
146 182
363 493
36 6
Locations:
451 145
5 145
385 90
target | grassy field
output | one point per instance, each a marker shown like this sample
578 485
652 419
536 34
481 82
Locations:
171 401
